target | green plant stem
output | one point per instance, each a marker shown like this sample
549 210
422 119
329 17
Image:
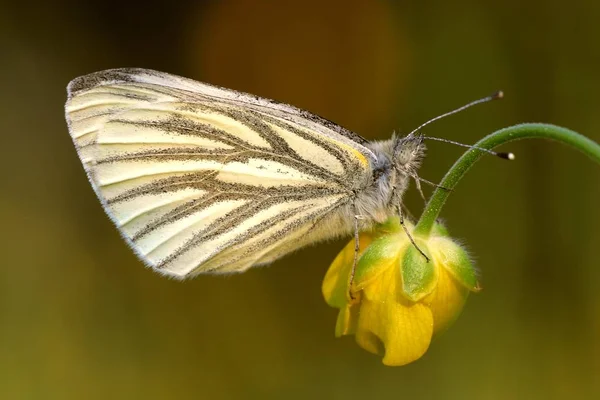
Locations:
517 132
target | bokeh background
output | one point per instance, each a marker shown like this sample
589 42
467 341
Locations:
81 318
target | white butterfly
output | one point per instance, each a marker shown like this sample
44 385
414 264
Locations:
201 179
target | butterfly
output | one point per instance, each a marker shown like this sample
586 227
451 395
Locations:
202 179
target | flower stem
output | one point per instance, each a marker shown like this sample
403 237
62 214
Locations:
516 132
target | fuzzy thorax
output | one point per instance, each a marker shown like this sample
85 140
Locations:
398 159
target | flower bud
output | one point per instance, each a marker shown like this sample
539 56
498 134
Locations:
398 300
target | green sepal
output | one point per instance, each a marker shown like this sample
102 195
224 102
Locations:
440 229
391 225
419 276
382 252
456 261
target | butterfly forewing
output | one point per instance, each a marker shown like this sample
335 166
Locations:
203 179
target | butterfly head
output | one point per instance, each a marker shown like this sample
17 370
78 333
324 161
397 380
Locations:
408 152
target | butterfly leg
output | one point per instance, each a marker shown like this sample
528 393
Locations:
435 185
418 185
356 250
409 235
407 212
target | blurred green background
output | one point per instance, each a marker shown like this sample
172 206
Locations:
80 317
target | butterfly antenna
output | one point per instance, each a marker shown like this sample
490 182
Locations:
506 156
498 95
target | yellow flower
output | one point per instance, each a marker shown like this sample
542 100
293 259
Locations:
398 300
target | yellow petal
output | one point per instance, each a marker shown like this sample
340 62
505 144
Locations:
392 325
335 284
447 300
400 331
347 320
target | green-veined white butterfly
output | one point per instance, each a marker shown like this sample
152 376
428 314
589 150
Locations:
201 179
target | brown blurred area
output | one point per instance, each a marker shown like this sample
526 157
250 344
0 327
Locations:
81 318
